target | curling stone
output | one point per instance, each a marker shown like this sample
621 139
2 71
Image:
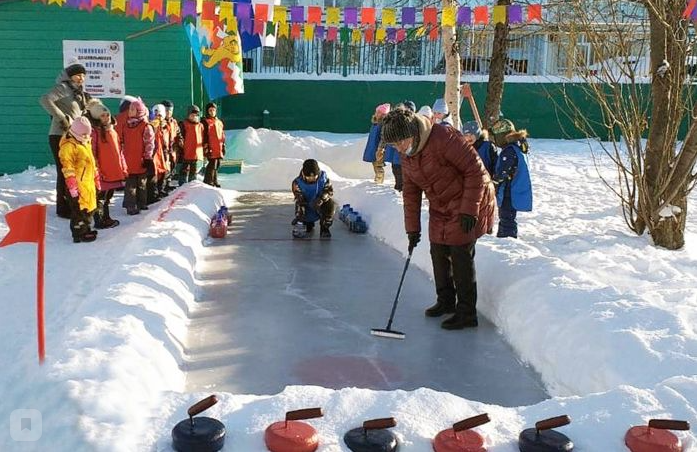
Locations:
460 438
543 439
291 435
655 437
373 436
201 434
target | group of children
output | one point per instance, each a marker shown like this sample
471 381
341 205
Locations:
502 149
139 150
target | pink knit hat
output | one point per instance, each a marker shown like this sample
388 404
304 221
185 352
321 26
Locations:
382 109
81 129
140 108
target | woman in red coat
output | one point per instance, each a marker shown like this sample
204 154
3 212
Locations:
437 161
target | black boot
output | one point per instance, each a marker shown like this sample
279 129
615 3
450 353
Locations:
459 321
309 226
324 232
439 309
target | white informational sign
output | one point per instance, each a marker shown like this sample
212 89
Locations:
104 63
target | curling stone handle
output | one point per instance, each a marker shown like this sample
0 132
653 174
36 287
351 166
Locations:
553 422
471 422
202 406
669 424
375 424
307 413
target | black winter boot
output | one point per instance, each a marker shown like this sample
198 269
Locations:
439 309
459 321
324 232
309 226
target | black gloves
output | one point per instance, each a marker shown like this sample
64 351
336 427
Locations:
414 239
149 167
467 222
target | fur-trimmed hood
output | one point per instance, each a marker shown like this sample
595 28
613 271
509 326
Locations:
424 131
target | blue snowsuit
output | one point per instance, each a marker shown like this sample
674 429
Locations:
371 147
309 196
514 190
487 152
392 156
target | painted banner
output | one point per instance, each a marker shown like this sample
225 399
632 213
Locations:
103 61
219 59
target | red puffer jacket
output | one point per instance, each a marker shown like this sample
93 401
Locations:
451 174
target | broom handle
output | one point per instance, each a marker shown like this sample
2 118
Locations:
399 289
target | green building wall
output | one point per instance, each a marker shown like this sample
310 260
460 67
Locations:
159 66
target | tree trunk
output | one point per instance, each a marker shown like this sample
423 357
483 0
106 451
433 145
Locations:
452 69
497 68
666 91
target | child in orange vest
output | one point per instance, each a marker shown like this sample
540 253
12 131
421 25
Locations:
173 143
106 147
216 144
156 180
138 147
195 138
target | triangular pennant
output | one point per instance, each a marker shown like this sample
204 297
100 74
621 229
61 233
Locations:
135 8
116 6
350 16
515 14
225 13
283 30
431 16
95 3
464 16
499 15
279 14
369 35
345 34
259 26
367 16
261 12
208 12
433 34
189 10
448 17
401 35
319 32
408 16
156 5
295 31
535 13
309 32
356 35
148 14
332 33
380 34
297 14
481 15
270 29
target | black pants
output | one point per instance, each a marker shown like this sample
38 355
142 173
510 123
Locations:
188 171
455 277
508 226
80 219
326 213
397 172
102 212
211 177
135 195
62 205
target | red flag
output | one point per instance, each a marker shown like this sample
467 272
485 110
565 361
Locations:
27 224
535 13
431 16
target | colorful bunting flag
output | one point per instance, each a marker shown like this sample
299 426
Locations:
261 12
319 32
401 35
208 11
135 8
85 5
224 13
189 10
380 34
314 15
433 34
333 16
464 16
431 16
369 35
499 16
350 16
535 12
344 34
95 3
367 16
259 26
60 3
391 35
283 30
515 14
72 4
389 17
243 11
295 31
309 32
481 15
331 34
155 5
148 14
448 17
408 16
356 35
297 14
279 14
270 29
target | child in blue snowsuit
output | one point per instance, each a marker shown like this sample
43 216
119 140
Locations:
512 176
374 149
313 193
480 140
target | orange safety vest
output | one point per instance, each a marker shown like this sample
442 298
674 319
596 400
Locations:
193 140
158 157
134 147
107 151
216 137
173 131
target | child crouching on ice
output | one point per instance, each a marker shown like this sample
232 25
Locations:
313 199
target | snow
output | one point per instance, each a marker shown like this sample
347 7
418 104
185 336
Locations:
606 318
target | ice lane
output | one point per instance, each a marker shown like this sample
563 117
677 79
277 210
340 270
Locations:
273 311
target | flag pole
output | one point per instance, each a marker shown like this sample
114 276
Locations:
40 289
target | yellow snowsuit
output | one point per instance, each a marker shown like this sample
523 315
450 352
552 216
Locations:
78 162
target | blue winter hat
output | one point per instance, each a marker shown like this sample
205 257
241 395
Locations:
472 127
439 106
410 105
